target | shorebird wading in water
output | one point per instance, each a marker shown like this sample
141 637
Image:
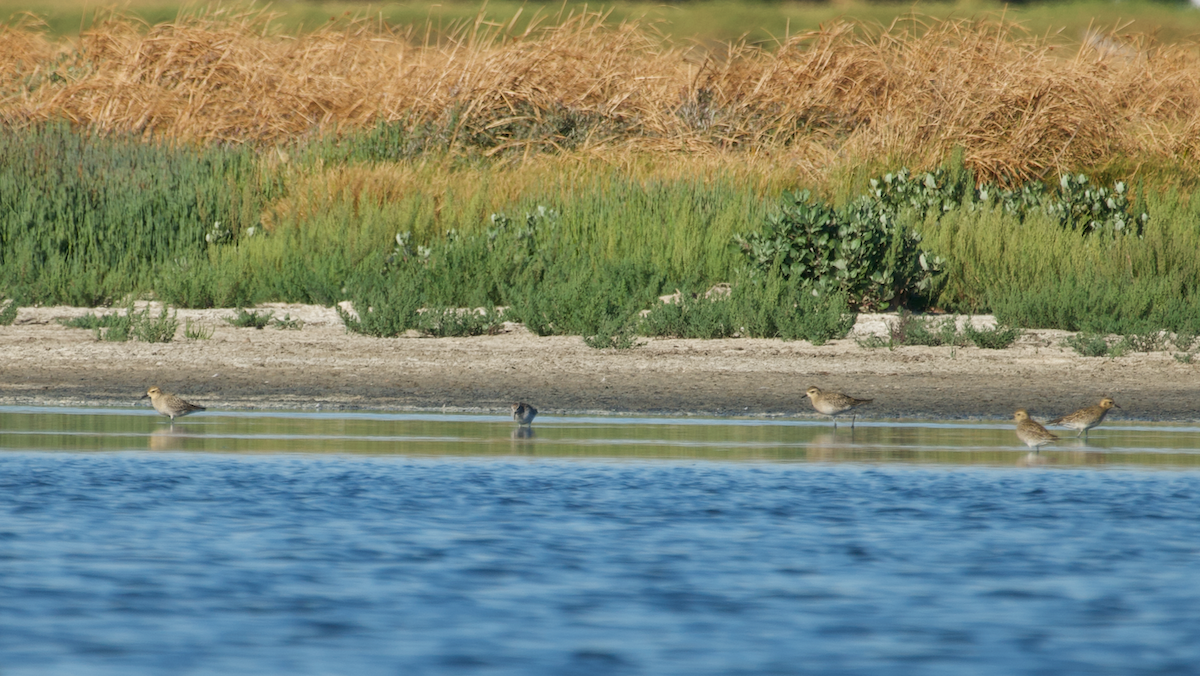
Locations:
1086 418
1031 432
833 404
169 404
523 413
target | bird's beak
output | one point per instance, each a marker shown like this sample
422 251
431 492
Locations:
145 396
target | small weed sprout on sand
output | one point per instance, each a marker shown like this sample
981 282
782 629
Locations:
872 342
197 331
251 320
9 314
287 323
1184 340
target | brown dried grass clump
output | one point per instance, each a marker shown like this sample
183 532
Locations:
1020 107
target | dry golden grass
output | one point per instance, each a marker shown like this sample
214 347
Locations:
1019 106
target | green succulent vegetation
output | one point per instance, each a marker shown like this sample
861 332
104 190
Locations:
8 314
996 338
134 324
286 323
579 248
863 250
251 319
1089 344
86 218
909 329
449 322
197 331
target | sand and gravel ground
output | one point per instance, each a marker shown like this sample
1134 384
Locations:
323 366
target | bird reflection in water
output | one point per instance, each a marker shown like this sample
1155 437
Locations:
1032 460
522 432
822 447
166 439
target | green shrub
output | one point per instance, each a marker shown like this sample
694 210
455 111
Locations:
756 306
912 330
863 250
612 334
1122 306
1088 344
803 316
160 329
251 319
996 338
385 305
196 331
454 322
1184 340
9 314
91 321
115 327
1151 341
86 218
693 315
287 323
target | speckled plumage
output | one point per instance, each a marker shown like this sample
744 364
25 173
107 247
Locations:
1086 418
523 413
833 404
169 404
1031 432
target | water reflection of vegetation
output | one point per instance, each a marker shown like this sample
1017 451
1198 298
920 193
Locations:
488 436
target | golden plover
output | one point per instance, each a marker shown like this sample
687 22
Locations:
833 404
1031 432
523 413
169 404
1086 418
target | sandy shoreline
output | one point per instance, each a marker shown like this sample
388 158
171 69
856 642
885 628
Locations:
324 366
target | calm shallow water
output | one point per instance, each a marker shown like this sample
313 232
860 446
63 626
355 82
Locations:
263 543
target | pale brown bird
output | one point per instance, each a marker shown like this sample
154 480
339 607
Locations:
833 404
1031 432
523 413
169 404
1086 418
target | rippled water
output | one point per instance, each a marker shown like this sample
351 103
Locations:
256 543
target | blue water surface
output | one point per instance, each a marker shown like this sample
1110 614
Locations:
198 563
